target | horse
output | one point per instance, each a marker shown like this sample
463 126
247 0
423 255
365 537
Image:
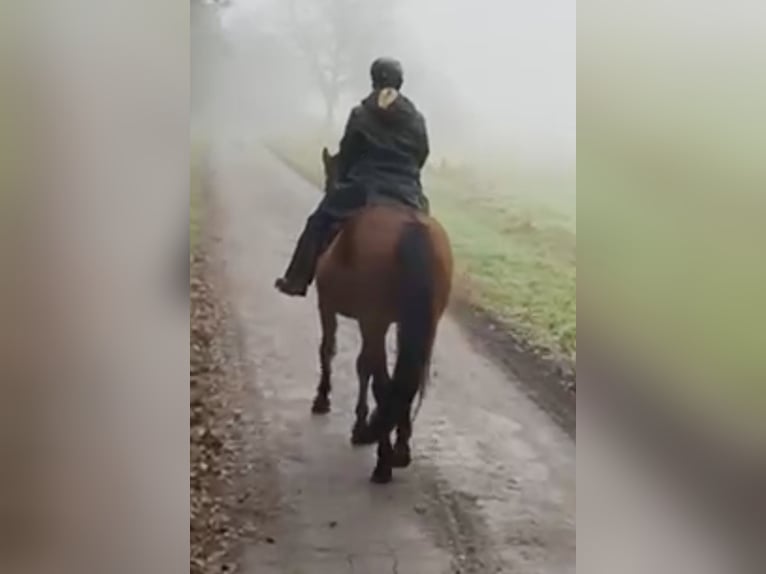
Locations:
388 264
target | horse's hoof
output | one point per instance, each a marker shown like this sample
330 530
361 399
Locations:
381 475
361 435
401 457
321 406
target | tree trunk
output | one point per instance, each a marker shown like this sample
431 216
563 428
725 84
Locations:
331 104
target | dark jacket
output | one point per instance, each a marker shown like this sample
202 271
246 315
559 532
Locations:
383 149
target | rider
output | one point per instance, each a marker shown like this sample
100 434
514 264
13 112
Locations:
383 149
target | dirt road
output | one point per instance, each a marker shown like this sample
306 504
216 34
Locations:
492 485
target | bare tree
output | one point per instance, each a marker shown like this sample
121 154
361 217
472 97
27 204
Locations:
338 39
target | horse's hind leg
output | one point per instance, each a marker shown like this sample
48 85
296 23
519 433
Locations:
402 456
326 354
383 469
359 434
379 428
370 363
399 456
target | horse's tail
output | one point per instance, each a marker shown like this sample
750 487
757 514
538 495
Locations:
417 317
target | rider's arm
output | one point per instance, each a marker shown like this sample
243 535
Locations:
350 145
423 145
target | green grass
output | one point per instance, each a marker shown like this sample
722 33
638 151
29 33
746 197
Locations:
516 257
514 241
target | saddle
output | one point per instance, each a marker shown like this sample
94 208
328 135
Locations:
378 200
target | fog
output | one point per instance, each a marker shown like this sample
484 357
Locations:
495 79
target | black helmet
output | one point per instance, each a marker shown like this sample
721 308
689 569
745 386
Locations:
386 73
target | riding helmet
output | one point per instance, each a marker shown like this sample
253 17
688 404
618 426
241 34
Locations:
386 73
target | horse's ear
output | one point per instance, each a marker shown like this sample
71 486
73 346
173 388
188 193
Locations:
326 157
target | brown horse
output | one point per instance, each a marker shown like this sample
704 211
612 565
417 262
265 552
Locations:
388 265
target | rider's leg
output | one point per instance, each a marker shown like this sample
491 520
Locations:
333 208
302 266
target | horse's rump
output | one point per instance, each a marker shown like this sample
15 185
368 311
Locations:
360 272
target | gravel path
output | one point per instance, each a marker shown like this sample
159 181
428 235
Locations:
492 485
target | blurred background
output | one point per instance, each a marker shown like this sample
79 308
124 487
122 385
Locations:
94 180
671 196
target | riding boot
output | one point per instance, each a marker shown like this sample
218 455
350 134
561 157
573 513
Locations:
300 272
